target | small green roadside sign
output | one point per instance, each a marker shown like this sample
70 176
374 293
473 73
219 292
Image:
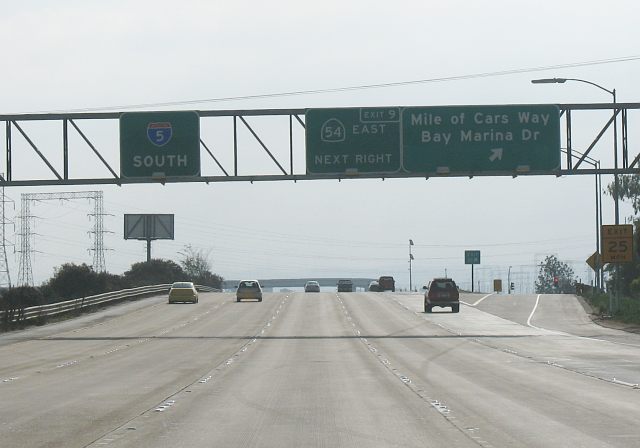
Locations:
449 139
471 257
353 140
159 144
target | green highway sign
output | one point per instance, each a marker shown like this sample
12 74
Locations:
439 139
353 140
471 257
159 144
449 139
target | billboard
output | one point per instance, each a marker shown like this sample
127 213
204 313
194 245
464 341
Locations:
148 227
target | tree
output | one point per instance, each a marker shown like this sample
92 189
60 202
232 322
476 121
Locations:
154 272
71 281
195 263
628 188
551 269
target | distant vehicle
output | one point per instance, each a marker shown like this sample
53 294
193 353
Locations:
312 286
183 292
345 286
374 286
249 290
442 292
387 283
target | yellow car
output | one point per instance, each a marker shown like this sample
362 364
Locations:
249 289
183 292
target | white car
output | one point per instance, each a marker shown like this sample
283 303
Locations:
249 289
312 286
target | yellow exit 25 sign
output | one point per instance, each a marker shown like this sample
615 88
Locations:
617 243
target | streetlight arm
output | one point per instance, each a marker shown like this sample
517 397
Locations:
563 80
610 92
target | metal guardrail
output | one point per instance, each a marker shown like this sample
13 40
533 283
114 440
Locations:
52 309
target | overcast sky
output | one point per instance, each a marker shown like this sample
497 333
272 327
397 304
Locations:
84 55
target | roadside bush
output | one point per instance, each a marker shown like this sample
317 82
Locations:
72 281
110 282
628 311
209 279
599 302
154 272
22 297
634 287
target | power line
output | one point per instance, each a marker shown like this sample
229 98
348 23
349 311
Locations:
357 87
208 228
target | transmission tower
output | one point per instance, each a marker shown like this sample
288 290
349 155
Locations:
98 233
25 273
5 277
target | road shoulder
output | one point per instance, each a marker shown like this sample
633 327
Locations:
605 321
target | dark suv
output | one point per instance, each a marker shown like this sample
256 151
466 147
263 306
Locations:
442 292
387 283
345 286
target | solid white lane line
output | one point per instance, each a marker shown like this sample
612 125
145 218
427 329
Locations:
563 333
533 312
479 300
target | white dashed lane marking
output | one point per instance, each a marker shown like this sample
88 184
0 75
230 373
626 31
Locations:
407 381
118 433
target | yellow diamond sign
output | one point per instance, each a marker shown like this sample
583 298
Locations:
594 261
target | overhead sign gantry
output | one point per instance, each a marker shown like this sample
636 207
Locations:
370 142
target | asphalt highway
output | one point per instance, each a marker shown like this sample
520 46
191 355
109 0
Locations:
323 370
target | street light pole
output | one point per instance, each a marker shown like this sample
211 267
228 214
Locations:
600 260
410 259
598 202
616 182
597 282
509 281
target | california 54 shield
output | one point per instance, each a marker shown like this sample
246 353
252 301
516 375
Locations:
159 133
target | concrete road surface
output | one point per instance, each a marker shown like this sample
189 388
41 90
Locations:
323 370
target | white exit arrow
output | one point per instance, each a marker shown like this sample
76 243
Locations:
495 154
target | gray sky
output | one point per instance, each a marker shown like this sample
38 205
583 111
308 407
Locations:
63 56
